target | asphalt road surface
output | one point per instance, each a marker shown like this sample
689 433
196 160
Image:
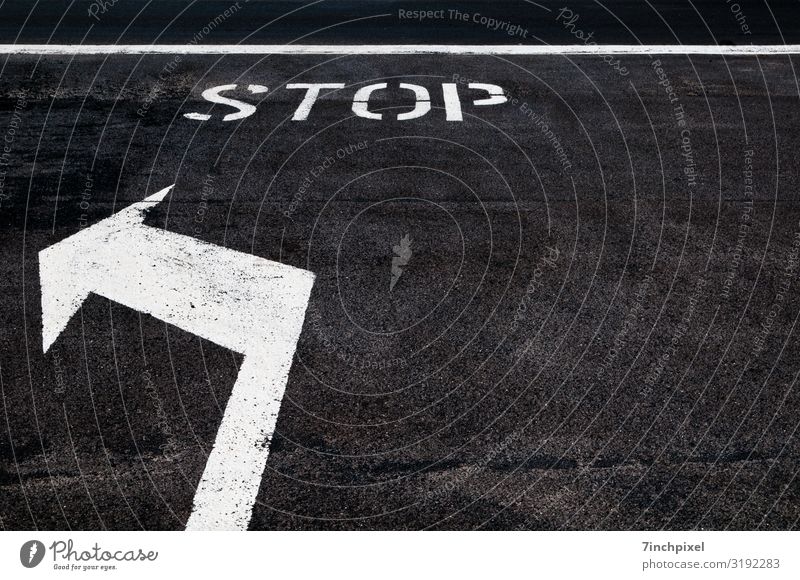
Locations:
381 21
572 309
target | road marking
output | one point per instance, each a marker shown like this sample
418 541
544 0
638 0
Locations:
452 104
361 101
422 106
395 49
312 94
213 95
242 302
496 94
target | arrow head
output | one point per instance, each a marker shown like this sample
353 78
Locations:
63 274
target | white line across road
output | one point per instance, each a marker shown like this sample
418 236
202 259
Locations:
377 49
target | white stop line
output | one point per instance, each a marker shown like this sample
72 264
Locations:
376 49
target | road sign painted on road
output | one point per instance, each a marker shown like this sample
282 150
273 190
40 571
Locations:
242 302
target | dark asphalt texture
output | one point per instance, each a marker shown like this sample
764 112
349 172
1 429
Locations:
380 22
591 346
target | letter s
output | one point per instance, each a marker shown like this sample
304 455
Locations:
213 96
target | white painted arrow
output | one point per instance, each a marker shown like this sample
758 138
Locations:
242 302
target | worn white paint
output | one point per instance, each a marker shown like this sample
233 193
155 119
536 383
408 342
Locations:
361 100
242 302
197 116
312 94
367 49
496 94
243 110
452 104
422 106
